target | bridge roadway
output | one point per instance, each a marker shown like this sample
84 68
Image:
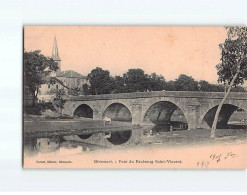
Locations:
157 107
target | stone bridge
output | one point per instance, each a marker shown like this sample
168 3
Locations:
157 107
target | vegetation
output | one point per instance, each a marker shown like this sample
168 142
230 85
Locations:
100 81
185 83
206 86
37 68
37 109
58 102
135 80
232 70
86 89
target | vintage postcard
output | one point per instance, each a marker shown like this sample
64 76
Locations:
135 97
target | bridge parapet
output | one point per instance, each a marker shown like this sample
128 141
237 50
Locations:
175 94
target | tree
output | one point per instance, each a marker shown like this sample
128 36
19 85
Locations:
100 81
119 85
185 83
156 82
86 89
232 70
170 86
238 89
37 68
136 80
58 102
206 86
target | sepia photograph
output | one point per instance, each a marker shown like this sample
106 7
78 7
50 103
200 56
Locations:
134 97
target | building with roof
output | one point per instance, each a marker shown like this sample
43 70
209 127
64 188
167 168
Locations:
71 78
69 81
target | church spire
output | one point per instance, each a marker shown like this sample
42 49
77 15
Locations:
55 55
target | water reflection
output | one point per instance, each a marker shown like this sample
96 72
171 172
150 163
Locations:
55 145
30 146
47 145
119 137
171 126
77 144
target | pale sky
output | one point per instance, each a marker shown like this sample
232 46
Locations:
169 51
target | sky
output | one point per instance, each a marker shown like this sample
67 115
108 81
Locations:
165 50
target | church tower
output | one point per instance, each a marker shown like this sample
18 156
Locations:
55 55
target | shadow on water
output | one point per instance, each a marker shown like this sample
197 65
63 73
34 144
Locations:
85 136
119 137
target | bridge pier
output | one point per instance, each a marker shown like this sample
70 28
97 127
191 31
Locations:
193 117
97 114
137 117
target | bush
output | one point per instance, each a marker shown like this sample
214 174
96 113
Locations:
65 116
47 106
48 114
33 110
38 109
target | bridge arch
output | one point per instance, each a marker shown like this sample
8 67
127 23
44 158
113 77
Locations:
228 108
83 110
119 137
118 111
160 112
